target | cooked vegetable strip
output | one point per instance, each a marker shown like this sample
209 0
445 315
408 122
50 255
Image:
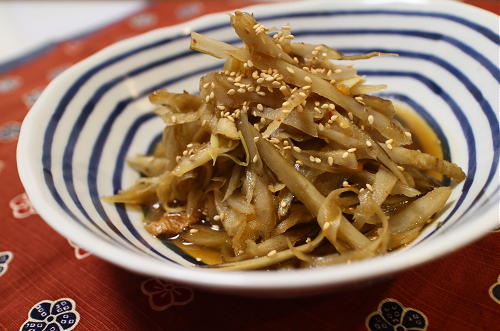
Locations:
282 145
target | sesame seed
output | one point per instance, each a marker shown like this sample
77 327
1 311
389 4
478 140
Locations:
287 147
361 190
231 92
193 230
408 134
326 226
262 120
173 118
321 127
241 90
178 158
269 78
276 84
317 160
261 93
306 87
314 52
298 162
389 146
338 70
330 160
198 259
255 158
206 85
212 95
295 59
311 158
370 119
256 126
369 186
290 70
250 63
349 114
389 141
400 168
297 149
345 183
302 94
260 107
271 253
368 143
345 155
285 104
352 150
308 240
215 227
232 74
308 79
283 204
250 88
217 218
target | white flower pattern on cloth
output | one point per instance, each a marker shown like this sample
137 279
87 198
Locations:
393 316
10 131
9 84
50 315
5 259
80 253
163 295
21 206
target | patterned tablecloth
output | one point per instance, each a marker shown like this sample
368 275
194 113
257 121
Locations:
47 283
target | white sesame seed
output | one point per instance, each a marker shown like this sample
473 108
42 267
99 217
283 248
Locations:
345 183
400 168
345 155
369 186
215 227
308 240
250 63
314 52
260 80
298 162
408 134
178 158
262 120
297 149
241 90
285 104
206 85
256 138
290 70
193 230
231 92
207 98
174 119
287 147
198 259
361 190
306 87
276 84
308 79
321 127
311 158
370 119
351 117
283 204
271 253
190 145
326 226
330 160
212 95
212 84
302 94
295 59
389 141
352 150
261 93
269 78
389 146
255 158
317 160
217 218
221 107
338 70
368 143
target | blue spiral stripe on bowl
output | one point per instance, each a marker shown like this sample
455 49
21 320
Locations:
487 64
491 35
122 57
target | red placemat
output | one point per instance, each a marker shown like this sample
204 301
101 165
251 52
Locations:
45 277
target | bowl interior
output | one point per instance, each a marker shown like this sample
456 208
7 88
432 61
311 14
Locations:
96 114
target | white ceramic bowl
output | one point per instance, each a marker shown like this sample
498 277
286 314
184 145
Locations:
74 140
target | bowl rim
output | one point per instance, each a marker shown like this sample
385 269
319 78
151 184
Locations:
234 280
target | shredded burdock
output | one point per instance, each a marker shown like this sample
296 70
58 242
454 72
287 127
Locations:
283 160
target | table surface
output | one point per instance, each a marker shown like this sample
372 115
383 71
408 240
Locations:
45 277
